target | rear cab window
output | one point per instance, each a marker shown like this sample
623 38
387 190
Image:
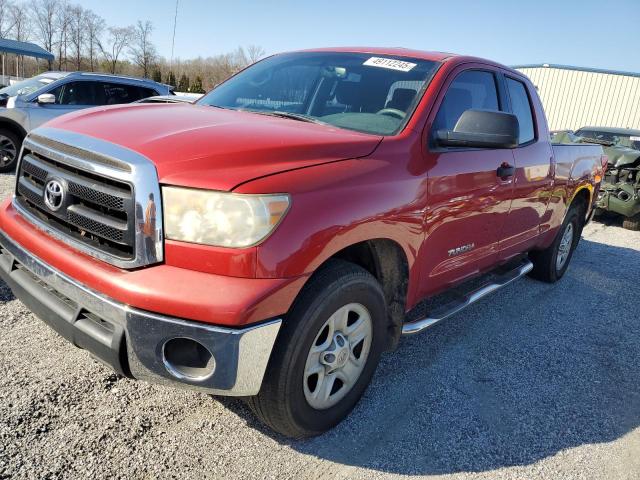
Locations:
521 108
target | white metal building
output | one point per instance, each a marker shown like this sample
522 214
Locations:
575 97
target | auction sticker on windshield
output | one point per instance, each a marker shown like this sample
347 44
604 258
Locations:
390 63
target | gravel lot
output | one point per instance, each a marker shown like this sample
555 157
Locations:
539 381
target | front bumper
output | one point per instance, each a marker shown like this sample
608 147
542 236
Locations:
130 340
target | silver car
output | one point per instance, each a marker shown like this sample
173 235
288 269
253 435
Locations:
28 104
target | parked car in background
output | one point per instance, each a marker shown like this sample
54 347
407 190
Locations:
272 240
620 191
28 104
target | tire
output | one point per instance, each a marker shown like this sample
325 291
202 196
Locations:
546 265
632 223
284 402
10 145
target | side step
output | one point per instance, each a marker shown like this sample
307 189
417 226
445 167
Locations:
453 307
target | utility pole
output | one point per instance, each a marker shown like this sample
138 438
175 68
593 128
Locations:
173 40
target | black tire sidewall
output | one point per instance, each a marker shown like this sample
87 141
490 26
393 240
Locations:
17 142
309 324
572 217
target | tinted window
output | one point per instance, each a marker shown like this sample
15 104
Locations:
116 93
521 109
75 93
146 92
472 89
355 91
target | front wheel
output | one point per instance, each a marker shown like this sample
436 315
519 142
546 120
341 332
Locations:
550 264
10 145
326 353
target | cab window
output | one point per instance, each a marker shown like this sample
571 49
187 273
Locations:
521 108
472 89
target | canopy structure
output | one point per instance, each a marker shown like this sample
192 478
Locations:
21 49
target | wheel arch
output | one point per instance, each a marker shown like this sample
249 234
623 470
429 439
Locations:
13 126
387 261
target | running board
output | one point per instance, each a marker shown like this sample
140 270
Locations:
455 306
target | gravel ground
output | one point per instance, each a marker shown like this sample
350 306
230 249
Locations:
539 381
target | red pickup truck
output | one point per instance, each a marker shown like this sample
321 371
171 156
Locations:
272 240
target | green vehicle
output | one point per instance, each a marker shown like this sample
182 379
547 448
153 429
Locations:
620 190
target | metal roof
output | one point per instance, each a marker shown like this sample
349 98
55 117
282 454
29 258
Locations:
579 69
24 48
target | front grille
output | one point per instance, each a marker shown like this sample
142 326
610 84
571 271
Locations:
97 211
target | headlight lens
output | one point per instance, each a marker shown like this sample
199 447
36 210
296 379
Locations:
220 218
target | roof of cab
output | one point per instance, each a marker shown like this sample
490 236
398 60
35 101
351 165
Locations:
419 54
397 51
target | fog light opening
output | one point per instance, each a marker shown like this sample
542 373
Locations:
187 359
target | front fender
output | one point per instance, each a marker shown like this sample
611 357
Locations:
337 205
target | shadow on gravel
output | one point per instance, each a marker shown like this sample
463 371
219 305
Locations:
529 372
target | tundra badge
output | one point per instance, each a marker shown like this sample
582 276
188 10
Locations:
462 249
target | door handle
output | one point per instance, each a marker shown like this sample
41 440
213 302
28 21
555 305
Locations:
505 171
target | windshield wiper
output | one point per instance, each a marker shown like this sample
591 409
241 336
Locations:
293 116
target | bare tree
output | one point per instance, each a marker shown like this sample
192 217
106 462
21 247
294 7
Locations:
142 51
21 26
94 28
63 20
6 19
255 53
44 16
119 38
77 33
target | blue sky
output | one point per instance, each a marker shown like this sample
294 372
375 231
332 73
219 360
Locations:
602 34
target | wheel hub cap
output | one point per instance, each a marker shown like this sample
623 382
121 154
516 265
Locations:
566 242
337 356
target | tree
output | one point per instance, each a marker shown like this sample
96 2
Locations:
63 19
157 75
171 80
119 38
196 87
77 33
94 27
44 16
21 26
255 53
7 21
183 86
143 52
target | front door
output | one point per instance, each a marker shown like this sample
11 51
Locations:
70 97
468 201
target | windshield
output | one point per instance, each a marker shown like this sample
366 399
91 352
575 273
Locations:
25 87
619 139
356 91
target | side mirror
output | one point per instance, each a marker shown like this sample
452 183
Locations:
482 129
46 99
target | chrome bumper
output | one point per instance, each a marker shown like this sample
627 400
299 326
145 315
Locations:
132 341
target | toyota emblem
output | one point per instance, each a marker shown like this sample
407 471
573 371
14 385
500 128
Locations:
54 195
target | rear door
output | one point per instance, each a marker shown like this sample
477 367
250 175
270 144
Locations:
468 201
533 175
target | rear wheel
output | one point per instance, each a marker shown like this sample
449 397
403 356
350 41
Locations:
549 265
632 223
326 353
10 145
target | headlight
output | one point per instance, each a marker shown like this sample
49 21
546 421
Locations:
220 218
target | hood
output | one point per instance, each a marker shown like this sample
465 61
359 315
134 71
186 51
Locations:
208 147
622 156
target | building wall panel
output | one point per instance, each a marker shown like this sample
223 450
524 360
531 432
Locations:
575 98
